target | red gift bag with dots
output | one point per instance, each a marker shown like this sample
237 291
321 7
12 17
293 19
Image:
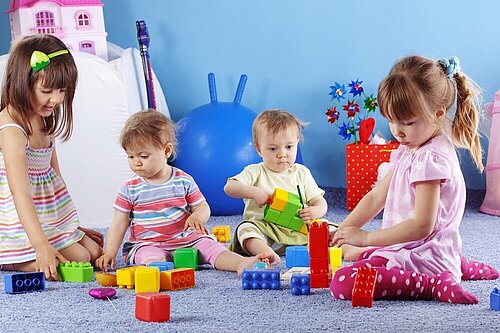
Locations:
362 162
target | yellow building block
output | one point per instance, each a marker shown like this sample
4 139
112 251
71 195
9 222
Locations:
125 277
222 233
279 199
335 257
147 279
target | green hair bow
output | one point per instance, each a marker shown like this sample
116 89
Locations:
40 60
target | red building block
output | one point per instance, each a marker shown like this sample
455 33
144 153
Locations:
152 307
319 256
364 287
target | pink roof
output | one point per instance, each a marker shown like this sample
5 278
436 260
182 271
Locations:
16 4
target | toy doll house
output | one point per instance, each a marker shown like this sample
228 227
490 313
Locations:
79 23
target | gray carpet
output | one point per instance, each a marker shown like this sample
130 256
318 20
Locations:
218 304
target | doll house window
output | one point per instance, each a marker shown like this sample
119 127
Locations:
45 23
87 46
83 20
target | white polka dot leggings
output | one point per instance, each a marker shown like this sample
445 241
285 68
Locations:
393 283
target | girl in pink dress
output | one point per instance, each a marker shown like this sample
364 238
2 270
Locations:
417 251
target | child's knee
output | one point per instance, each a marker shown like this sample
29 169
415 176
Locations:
342 283
80 256
149 254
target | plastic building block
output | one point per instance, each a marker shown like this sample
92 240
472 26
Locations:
287 276
284 210
75 271
162 266
177 279
24 282
222 233
152 307
186 258
260 279
495 299
279 199
364 287
318 255
300 285
125 277
335 258
106 279
147 279
296 256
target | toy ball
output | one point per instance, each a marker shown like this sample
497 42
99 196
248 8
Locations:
102 293
215 143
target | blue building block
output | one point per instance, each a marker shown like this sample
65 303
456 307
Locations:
260 279
24 282
495 299
162 266
296 256
300 284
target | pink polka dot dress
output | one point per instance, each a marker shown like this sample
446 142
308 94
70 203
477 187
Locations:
440 251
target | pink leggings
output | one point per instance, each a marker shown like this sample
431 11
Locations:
208 249
393 283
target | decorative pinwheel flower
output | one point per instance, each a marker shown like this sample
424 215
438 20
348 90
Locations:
356 88
350 126
338 91
370 103
333 114
351 108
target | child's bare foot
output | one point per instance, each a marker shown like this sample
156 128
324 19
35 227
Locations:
351 252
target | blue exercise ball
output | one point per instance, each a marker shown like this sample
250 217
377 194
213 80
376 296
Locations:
215 143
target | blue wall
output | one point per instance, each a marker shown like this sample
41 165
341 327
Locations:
293 50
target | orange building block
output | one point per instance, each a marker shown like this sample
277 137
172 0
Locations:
177 279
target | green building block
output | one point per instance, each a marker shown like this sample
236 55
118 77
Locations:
271 215
75 271
296 224
186 258
284 219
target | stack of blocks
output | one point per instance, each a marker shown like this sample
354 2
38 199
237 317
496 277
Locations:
75 271
151 279
222 233
364 287
284 211
24 282
318 252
